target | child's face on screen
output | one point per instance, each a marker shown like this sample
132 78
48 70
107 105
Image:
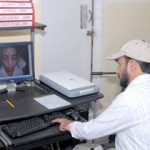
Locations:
9 59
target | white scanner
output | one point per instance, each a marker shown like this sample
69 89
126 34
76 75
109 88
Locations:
69 84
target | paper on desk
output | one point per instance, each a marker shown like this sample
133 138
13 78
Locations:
52 101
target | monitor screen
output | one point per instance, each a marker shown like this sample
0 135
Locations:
16 61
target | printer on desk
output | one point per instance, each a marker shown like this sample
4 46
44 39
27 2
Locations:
69 84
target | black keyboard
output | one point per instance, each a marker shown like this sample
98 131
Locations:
30 125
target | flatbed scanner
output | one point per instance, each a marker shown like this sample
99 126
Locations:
69 84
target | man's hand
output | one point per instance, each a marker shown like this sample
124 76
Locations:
63 123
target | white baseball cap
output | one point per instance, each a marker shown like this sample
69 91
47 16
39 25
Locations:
136 49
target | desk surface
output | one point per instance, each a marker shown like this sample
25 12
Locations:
26 106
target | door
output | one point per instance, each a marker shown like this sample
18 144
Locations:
65 45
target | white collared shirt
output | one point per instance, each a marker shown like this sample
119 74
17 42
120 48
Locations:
128 117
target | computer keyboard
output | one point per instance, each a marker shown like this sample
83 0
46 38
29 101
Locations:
30 125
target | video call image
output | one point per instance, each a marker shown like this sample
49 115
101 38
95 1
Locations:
14 61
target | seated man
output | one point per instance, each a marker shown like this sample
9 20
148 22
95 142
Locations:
129 114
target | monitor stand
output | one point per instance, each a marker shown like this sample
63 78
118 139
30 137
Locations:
9 87
12 87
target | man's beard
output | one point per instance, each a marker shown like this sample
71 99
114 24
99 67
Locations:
124 79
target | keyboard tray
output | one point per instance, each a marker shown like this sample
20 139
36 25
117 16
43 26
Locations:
33 124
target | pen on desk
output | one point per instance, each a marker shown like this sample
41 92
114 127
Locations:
10 103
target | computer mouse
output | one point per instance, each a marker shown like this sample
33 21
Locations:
75 116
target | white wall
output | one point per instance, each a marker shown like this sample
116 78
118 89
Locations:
124 20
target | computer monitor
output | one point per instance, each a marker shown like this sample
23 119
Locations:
16 62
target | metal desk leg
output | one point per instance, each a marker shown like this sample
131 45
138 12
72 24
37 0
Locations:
94 113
